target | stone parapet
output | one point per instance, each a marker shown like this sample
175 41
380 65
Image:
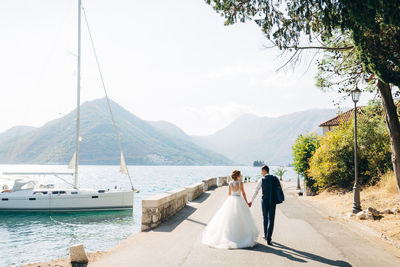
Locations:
222 180
210 183
158 208
194 191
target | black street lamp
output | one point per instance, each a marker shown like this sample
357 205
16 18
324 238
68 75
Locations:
355 95
298 182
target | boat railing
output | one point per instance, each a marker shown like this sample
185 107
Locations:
55 174
38 173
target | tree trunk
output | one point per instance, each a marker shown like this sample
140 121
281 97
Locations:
393 125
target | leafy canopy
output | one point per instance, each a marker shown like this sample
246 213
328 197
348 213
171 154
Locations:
372 25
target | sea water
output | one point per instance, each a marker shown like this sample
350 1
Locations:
43 236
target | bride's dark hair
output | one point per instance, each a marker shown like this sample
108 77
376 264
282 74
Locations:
235 174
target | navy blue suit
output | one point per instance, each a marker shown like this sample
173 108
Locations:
272 194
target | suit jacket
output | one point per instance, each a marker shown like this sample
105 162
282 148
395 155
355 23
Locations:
272 192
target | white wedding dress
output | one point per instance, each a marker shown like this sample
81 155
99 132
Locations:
233 226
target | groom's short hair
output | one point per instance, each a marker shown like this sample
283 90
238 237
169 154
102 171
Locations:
265 168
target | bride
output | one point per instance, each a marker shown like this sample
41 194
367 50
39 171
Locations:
233 226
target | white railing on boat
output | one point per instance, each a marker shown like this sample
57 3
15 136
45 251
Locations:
38 173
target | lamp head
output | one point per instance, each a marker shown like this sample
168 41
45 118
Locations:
355 95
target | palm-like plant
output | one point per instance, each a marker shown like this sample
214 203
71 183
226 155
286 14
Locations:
280 172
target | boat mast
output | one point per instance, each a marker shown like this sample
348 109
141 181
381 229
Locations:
78 100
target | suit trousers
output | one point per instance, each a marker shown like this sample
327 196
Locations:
269 219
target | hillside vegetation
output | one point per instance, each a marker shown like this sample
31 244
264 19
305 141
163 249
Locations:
54 142
251 137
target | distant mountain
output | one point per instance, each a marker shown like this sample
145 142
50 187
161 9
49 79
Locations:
15 132
170 129
251 137
246 139
143 142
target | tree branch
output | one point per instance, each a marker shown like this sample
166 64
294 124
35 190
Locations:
320 47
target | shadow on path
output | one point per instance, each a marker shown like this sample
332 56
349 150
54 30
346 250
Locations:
201 198
297 255
267 249
172 222
195 221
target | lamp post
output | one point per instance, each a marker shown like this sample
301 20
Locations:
298 182
355 95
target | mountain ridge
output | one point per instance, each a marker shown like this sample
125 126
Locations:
54 142
250 138
247 138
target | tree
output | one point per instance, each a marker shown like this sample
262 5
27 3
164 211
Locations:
332 163
303 149
258 163
280 172
373 28
341 70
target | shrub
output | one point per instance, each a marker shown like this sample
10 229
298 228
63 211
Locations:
333 162
303 149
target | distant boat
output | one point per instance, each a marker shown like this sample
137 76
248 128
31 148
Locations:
28 195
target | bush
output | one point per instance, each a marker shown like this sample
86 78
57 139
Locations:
333 162
303 149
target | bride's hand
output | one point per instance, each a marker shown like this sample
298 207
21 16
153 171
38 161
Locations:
249 204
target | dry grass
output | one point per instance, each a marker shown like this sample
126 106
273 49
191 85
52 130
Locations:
381 196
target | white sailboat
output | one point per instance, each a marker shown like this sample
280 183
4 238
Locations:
27 195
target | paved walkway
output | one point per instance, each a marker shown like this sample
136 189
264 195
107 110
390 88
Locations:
302 236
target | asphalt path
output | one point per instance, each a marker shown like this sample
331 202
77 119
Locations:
303 236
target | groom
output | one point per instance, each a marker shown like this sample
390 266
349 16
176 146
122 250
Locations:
272 194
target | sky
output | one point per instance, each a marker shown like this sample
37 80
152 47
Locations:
161 60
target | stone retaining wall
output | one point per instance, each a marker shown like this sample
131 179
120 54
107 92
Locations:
160 207
210 183
223 180
194 191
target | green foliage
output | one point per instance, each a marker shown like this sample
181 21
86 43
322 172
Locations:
303 149
280 172
333 162
342 70
373 26
371 36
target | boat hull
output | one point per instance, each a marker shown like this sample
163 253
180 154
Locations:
82 201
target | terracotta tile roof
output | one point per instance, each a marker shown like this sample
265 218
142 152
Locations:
344 117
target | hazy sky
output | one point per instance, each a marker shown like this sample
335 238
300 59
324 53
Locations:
162 60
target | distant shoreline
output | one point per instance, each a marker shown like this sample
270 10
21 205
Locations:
117 164
172 165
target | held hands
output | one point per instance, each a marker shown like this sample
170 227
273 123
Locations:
249 204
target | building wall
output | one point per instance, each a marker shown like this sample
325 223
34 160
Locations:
326 129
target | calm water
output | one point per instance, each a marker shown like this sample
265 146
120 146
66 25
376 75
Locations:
41 237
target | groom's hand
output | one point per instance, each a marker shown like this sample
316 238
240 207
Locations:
250 204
